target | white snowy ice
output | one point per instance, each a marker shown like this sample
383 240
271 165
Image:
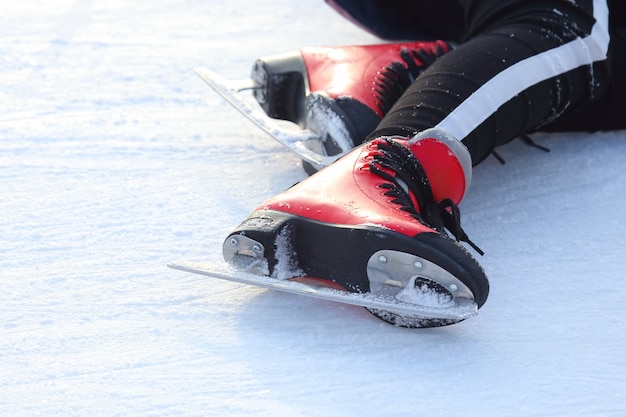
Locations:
116 159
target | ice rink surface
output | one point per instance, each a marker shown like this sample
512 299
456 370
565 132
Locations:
116 159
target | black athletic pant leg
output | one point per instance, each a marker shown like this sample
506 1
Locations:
524 66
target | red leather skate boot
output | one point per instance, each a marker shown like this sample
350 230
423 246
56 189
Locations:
341 93
373 221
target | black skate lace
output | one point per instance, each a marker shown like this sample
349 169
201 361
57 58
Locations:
528 141
396 77
406 167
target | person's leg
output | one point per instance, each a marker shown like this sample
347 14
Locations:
379 219
536 62
606 113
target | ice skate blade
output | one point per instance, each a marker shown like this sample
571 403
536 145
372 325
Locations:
373 302
299 141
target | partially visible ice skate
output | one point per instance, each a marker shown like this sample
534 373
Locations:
300 141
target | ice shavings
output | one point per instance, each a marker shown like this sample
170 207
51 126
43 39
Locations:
328 124
425 293
286 260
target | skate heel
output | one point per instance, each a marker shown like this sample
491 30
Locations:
258 244
282 85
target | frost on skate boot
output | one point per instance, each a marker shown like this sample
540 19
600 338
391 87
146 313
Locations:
341 93
375 222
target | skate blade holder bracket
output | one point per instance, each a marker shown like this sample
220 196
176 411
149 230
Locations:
245 254
412 279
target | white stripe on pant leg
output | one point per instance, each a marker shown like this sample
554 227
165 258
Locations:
528 72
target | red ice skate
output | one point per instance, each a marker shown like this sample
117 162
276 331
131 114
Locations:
374 221
341 93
